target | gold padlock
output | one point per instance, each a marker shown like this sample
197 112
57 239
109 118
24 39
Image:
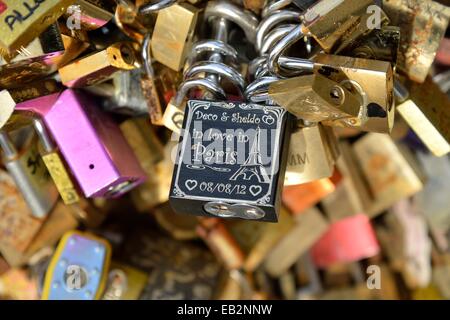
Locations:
389 168
372 79
257 239
426 109
99 66
173 34
337 24
43 56
22 21
315 98
312 154
423 25
55 165
89 14
352 196
308 227
154 159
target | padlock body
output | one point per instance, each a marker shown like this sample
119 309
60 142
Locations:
231 160
93 146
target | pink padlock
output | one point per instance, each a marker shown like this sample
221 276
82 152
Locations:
347 240
92 144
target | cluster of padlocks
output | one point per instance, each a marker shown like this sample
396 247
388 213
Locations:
245 149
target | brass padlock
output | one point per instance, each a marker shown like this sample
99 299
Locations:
372 79
221 242
55 165
307 228
423 25
89 14
43 56
312 154
389 168
154 159
381 44
22 21
173 34
315 98
426 109
257 239
337 24
98 66
124 282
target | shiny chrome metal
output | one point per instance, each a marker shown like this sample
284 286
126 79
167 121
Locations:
212 46
274 36
271 21
43 135
154 6
203 83
277 51
220 69
245 19
146 56
273 6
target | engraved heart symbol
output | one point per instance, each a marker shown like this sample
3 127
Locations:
190 184
255 190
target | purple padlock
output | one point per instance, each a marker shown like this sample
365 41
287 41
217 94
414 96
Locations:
92 144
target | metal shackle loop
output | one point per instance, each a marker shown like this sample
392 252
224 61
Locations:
208 85
245 19
146 56
220 69
43 135
271 21
257 91
212 46
274 36
154 6
275 6
277 51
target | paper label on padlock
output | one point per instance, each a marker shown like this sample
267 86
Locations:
230 152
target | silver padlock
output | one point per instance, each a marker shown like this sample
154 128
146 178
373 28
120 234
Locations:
30 175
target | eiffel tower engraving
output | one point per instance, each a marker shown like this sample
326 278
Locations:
252 166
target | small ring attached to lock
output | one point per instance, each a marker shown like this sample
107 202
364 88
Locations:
219 209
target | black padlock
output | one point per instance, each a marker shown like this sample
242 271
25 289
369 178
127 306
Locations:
231 160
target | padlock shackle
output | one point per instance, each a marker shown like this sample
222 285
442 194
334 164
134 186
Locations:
274 6
204 83
275 35
270 21
154 6
146 56
257 91
273 65
245 19
400 91
220 69
6 144
212 46
43 135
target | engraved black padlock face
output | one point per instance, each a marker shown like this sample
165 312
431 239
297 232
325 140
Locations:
231 160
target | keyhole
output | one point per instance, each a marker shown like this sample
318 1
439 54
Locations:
337 95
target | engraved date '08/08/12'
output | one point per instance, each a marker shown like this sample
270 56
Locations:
227 188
